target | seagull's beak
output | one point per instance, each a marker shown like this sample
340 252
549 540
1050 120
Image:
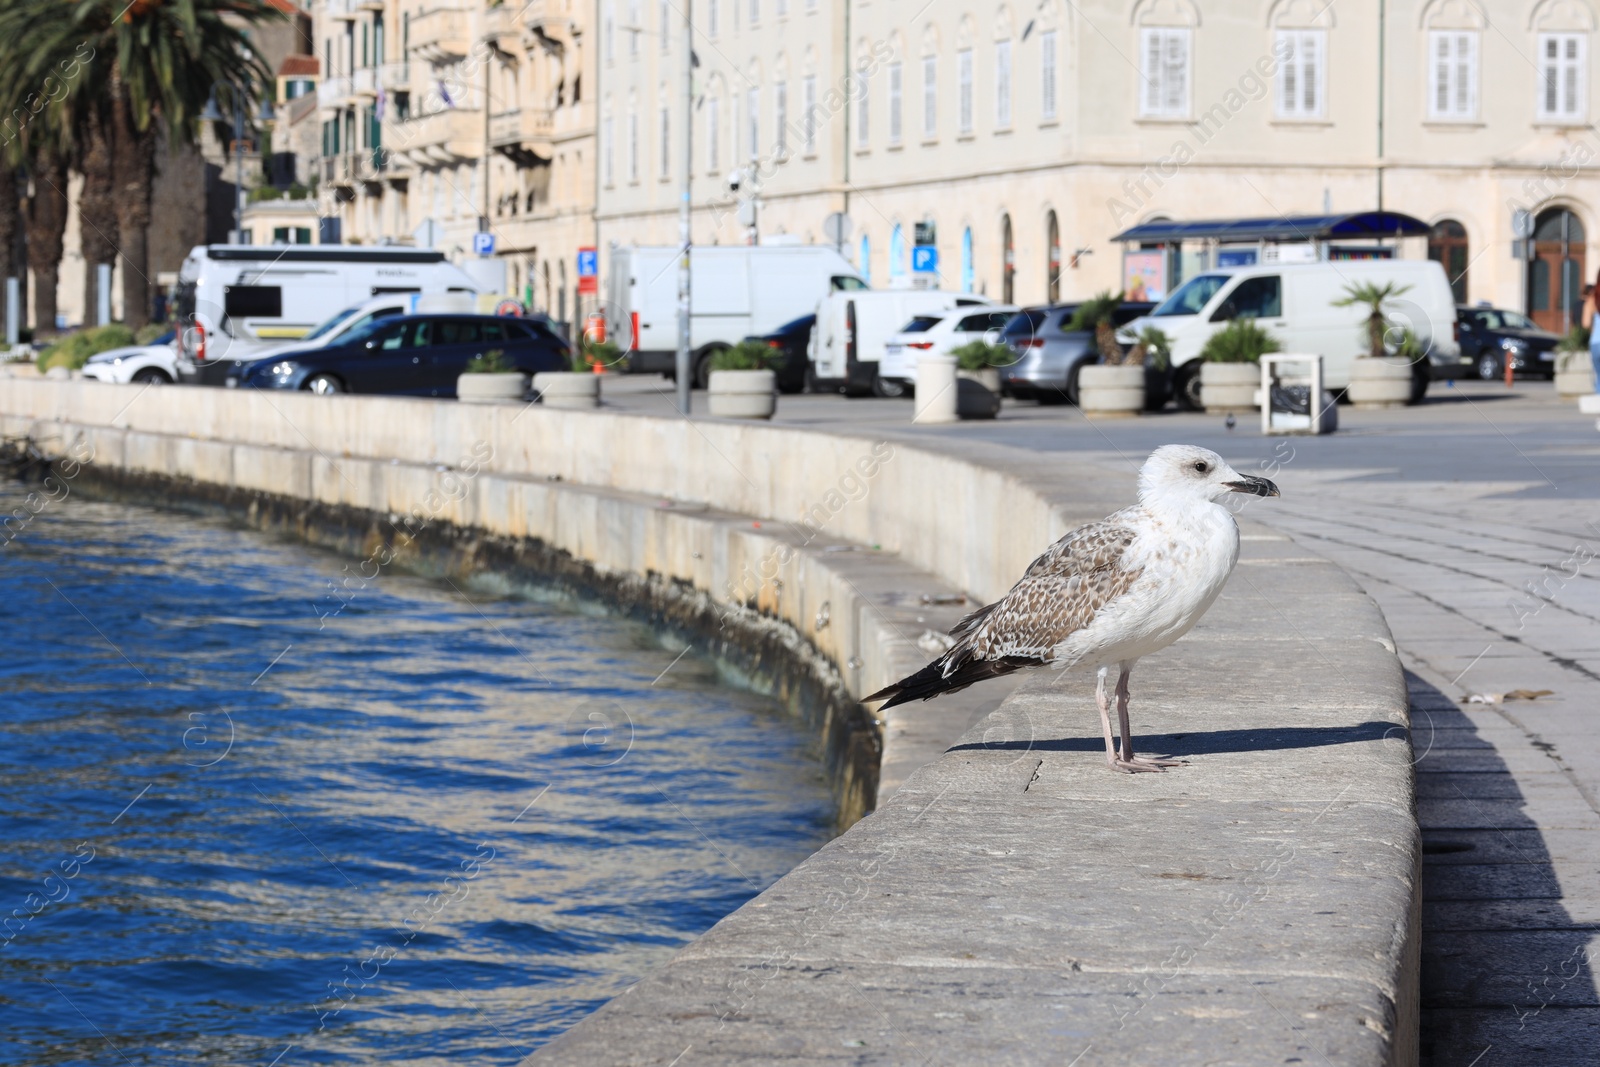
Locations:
1254 486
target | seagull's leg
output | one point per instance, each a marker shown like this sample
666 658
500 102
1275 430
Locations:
1101 699
1126 760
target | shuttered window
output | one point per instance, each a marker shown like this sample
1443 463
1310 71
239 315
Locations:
1300 73
1047 74
1562 85
1002 84
1164 69
1453 74
964 89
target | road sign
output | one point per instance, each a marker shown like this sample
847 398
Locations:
925 259
924 233
427 235
483 243
837 227
588 271
1522 224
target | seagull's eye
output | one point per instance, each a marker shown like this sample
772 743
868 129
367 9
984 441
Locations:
1202 466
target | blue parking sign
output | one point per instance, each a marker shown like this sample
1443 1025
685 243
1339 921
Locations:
588 263
483 243
925 259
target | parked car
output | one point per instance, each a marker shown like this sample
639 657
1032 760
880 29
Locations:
938 333
736 290
792 339
154 364
1491 335
853 328
413 355
1049 356
1298 304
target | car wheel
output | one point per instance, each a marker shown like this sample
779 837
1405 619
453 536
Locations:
888 388
152 376
1186 387
1420 377
1490 368
325 385
1049 396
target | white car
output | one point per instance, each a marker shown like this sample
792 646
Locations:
155 363
938 333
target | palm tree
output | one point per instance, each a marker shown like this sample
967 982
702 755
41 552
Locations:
1095 314
97 210
10 220
1373 297
45 224
141 69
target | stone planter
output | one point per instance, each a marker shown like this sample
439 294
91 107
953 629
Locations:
1228 387
572 390
1379 383
975 401
1110 391
1574 375
491 388
988 377
742 394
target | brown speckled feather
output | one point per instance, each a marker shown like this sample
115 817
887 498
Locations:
1060 594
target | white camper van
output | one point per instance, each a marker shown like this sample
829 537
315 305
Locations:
736 291
854 327
241 299
1296 304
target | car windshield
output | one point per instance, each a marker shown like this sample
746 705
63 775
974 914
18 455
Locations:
1024 323
1192 296
845 283
332 324
1499 319
921 324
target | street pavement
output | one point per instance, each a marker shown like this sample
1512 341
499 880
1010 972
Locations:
1474 521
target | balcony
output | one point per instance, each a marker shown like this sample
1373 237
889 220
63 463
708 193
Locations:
395 75
333 92
546 26
348 168
341 9
448 136
442 35
364 84
522 135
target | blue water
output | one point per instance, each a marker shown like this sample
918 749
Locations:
248 820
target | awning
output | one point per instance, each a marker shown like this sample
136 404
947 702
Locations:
1281 229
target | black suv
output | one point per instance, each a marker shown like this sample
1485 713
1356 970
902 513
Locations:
1490 336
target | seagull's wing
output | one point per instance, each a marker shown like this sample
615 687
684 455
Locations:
1060 593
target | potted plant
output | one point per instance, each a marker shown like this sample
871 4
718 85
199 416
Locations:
491 378
1120 383
981 361
1152 349
1574 368
578 388
743 384
1229 375
1380 378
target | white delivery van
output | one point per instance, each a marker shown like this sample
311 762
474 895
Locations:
242 299
1296 304
853 329
736 291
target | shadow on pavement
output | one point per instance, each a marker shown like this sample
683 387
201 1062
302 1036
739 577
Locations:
1507 977
1195 744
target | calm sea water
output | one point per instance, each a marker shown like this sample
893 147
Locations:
248 820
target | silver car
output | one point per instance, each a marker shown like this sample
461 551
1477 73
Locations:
1049 355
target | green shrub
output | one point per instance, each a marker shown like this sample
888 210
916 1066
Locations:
147 333
746 355
74 350
1094 315
1576 340
1241 341
976 355
590 354
1153 347
1372 296
493 361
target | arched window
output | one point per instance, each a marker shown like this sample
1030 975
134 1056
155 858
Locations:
1555 277
1008 263
864 259
1053 256
967 271
897 253
1447 245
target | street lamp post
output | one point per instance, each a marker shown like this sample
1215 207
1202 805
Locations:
685 235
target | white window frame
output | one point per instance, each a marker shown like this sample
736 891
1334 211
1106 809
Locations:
897 79
711 17
755 12
930 97
1002 84
608 151
664 12
666 142
714 134
1563 80
1047 75
1453 73
752 118
608 33
1301 84
635 18
808 100
633 145
964 90
1166 62
780 106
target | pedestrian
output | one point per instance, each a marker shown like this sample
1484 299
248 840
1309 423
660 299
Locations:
1590 295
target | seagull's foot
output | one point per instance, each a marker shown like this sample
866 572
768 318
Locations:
1137 764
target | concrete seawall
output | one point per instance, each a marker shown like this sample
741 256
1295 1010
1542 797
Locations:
1010 902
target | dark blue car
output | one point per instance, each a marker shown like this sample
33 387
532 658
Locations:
412 355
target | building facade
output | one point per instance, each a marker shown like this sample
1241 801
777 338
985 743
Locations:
439 121
1018 140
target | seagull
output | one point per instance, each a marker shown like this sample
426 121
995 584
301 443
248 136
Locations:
1108 593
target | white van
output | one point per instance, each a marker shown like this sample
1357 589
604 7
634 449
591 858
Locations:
736 291
246 298
853 330
1296 304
